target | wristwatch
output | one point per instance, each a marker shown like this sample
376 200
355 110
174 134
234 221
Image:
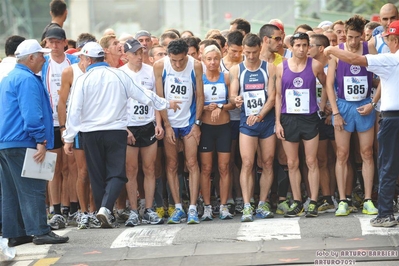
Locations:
220 106
42 143
374 104
198 122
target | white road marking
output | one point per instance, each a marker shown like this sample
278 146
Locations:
267 229
35 252
367 229
23 263
146 236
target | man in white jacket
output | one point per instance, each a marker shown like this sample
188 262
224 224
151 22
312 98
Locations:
98 110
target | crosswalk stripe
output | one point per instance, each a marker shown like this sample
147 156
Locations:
34 252
23 263
267 229
367 229
146 236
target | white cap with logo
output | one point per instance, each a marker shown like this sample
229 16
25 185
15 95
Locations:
30 46
91 49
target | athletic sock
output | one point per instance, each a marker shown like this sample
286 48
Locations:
57 208
74 207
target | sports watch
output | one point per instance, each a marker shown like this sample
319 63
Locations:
198 122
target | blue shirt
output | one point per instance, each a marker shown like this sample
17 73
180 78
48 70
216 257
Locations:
25 111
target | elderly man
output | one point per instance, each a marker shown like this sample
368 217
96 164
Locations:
98 111
26 123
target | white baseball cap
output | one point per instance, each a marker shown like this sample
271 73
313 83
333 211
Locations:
30 46
91 49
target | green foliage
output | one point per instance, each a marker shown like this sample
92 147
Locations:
358 6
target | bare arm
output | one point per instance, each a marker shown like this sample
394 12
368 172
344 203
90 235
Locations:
271 92
279 128
199 89
158 68
169 133
66 83
348 57
338 120
229 105
234 86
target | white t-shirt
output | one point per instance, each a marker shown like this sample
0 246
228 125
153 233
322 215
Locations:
140 114
386 66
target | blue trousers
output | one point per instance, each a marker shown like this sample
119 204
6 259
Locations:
23 199
106 163
388 164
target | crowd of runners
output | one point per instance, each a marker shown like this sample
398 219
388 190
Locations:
180 128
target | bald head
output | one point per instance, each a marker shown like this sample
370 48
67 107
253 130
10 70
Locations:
388 14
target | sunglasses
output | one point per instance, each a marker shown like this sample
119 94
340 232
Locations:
277 38
300 35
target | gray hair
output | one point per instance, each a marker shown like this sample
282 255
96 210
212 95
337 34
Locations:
211 48
25 57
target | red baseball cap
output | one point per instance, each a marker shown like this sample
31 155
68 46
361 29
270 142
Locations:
393 29
279 25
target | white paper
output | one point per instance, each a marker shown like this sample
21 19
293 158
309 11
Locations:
44 170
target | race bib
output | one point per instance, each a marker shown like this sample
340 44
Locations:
297 101
215 92
254 101
179 92
355 88
141 111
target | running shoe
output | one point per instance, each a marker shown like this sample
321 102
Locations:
343 209
160 211
231 207
312 210
263 211
177 216
84 222
239 205
57 222
94 222
388 221
296 209
151 217
171 210
122 215
326 207
192 217
247 214
106 218
207 216
215 206
225 213
369 208
306 203
133 219
73 219
352 209
283 207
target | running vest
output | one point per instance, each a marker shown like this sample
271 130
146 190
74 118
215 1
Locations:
53 84
380 45
298 90
236 112
354 82
140 114
215 91
180 86
253 89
